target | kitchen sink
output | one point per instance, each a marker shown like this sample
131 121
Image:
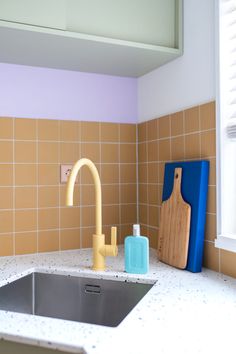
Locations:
90 300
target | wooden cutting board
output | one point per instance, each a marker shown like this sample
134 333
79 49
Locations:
174 227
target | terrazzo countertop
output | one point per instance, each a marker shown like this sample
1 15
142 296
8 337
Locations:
182 313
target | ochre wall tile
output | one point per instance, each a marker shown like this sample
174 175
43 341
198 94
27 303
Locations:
212 175
110 214
25 175
69 131
128 133
211 199
90 131
128 214
142 172
25 151
91 151
6 221
48 196
126 230
110 153
110 194
177 123
25 129
208 144
70 239
88 195
153 216
164 127
191 120
69 217
69 152
110 173
192 146
48 174
6 197
152 234
26 220
6 128
48 219
161 170
25 197
152 172
207 116
211 256
88 216
109 132
6 245
48 152
143 213
164 150
48 129
6 151
128 193
142 152
48 241
87 237
26 243
142 132
210 229
6 175
128 173
153 194
143 193
152 129
152 148
177 148
128 153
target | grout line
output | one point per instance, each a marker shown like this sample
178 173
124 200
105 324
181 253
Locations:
14 191
80 188
37 186
146 127
137 176
119 171
59 187
113 142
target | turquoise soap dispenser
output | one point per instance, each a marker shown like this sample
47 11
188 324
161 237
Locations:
136 252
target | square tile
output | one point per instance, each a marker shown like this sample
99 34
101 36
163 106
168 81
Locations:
6 128
25 129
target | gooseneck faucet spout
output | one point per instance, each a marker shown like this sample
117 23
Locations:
100 250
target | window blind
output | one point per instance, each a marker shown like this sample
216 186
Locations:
228 64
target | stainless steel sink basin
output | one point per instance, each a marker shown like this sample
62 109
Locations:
96 301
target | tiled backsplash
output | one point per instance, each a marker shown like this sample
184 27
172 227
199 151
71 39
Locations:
186 135
33 216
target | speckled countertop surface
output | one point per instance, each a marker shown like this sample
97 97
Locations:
182 313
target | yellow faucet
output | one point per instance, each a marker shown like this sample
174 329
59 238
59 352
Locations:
100 250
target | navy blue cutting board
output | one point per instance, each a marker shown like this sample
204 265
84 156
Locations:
194 189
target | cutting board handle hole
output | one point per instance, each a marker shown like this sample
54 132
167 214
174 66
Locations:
176 176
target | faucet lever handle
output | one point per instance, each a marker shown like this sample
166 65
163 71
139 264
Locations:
113 235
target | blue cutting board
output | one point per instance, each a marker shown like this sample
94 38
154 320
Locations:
194 188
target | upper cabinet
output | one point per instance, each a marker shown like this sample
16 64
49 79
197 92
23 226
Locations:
116 37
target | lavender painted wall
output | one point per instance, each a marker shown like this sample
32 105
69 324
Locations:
33 92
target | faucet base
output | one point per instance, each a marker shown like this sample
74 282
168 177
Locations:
98 257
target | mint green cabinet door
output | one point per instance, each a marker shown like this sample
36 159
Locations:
44 13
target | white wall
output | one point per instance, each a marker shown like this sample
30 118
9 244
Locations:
190 79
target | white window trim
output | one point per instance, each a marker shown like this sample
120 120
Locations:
223 241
